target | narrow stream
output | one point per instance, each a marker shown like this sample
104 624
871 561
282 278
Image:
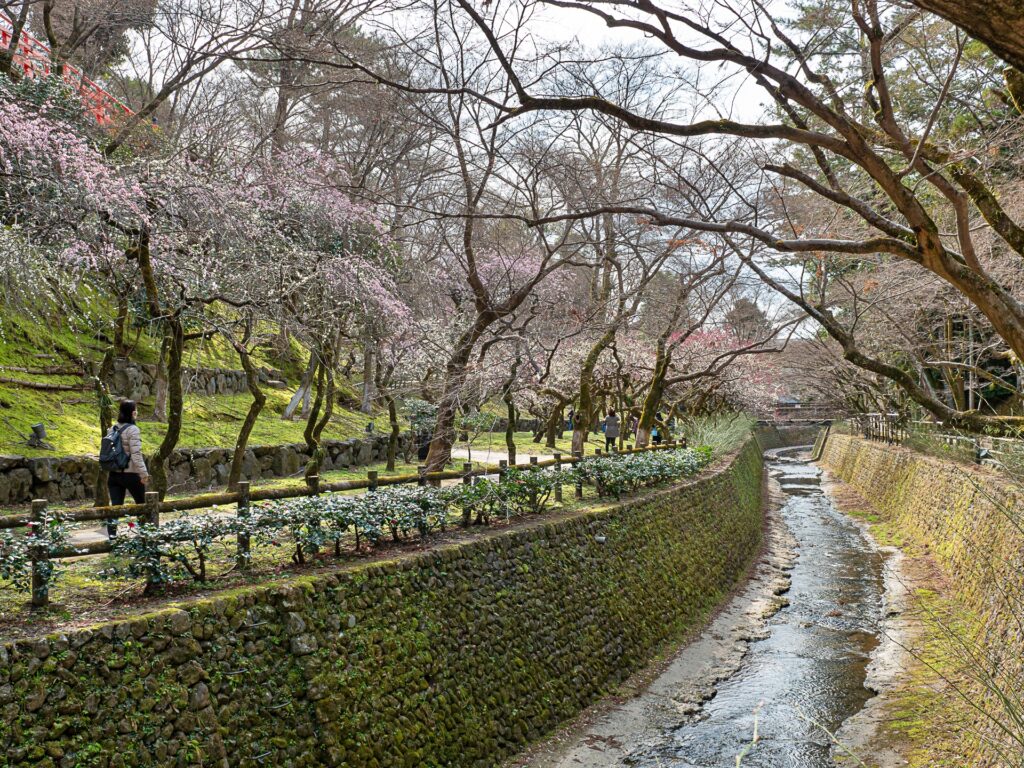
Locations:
808 675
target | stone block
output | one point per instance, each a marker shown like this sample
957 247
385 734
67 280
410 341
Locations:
286 462
202 471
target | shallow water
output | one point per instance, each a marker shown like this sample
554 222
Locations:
803 680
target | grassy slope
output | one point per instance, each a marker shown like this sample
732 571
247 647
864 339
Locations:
72 418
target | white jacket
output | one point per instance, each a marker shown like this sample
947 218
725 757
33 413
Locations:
131 441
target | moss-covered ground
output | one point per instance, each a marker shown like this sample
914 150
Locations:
72 421
490 446
71 416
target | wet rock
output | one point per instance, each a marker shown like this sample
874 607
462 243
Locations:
35 699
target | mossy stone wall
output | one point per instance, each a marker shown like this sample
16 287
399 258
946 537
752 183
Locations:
970 522
771 436
456 656
73 478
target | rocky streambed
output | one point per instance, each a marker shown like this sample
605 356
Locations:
776 673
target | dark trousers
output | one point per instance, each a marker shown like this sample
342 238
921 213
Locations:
118 484
609 441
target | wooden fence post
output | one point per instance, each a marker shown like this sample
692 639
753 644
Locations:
242 558
502 468
421 475
558 471
372 476
467 473
597 451
579 483
39 557
533 488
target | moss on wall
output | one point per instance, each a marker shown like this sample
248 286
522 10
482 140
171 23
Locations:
452 657
971 524
770 437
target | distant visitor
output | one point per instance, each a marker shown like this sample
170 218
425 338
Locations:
121 457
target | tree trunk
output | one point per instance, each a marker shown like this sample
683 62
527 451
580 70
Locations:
554 422
106 407
302 393
7 55
997 23
455 373
316 458
440 452
174 343
510 429
395 433
119 326
259 400
160 384
307 433
652 401
585 413
366 406
175 405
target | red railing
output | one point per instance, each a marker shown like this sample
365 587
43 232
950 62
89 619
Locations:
32 57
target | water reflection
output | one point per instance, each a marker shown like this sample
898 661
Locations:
808 675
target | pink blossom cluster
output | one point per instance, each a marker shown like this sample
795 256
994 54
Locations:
39 152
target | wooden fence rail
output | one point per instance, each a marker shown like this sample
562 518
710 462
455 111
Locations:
151 510
1000 452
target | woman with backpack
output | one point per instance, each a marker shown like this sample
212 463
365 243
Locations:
611 429
127 473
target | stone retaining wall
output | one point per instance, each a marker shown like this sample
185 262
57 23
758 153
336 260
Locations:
457 656
73 478
135 381
971 524
770 436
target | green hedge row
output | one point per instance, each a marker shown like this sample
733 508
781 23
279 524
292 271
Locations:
182 548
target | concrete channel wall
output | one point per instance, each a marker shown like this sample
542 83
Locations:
771 436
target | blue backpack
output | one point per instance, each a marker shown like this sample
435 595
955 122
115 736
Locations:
113 457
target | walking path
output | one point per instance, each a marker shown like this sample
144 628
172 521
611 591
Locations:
494 454
97 533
